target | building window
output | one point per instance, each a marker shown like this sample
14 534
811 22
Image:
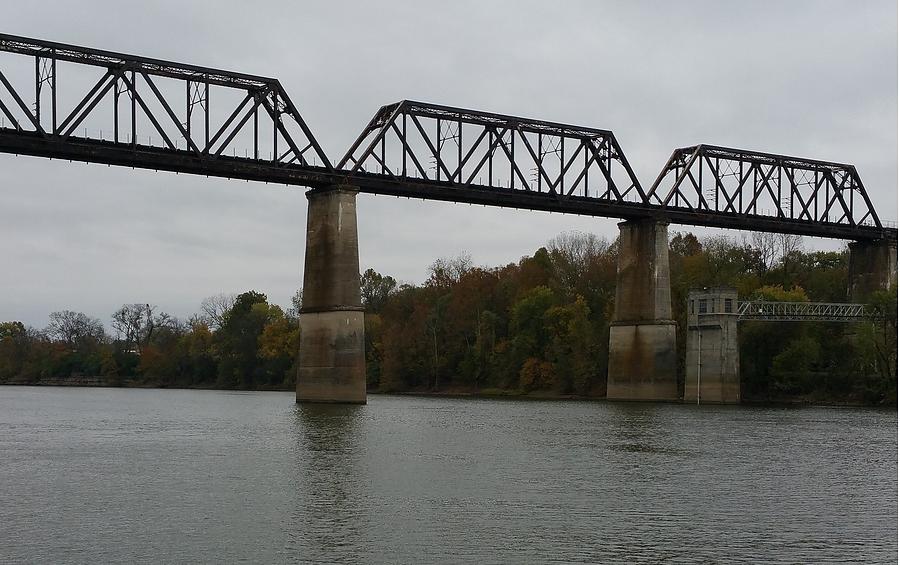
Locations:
703 306
728 306
692 306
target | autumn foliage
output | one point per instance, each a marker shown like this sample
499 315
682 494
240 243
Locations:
539 326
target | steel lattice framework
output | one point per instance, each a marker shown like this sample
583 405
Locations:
758 310
148 104
67 102
706 178
489 151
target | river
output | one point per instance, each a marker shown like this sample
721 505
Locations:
93 475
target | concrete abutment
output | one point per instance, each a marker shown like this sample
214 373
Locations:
642 357
873 266
332 362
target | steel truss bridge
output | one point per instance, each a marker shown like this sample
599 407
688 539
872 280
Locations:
67 102
757 310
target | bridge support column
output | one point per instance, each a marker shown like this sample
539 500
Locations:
332 365
711 368
642 357
873 266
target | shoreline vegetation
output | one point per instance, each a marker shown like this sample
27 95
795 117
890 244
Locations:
535 329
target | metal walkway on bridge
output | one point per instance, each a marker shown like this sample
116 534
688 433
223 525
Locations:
758 310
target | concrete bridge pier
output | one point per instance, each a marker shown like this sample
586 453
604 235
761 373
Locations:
332 364
642 356
873 266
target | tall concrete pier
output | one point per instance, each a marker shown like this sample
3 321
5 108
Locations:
712 366
873 266
332 363
642 357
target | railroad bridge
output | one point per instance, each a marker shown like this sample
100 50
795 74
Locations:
67 102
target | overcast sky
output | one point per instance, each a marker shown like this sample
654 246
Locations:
815 79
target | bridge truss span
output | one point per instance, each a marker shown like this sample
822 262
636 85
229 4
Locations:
462 148
57 98
763 186
67 102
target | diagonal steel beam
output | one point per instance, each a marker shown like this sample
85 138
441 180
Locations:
21 103
172 116
257 100
408 151
227 123
97 97
9 115
87 98
143 105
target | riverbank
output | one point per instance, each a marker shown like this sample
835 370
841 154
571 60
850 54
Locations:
539 396
487 393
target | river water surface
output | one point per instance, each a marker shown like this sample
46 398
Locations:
169 476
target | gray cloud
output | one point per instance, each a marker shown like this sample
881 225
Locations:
810 78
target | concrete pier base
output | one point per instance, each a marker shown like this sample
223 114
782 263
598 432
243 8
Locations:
642 355
873 266
642 361
332 364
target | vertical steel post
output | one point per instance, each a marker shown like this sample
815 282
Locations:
586 163
403 143
437 157
512 160
37 88
53 87
115 109
206 111
187 109
491 158
133 111
256 132
275 130
459 143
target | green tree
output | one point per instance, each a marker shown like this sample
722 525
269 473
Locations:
571 347
528 331
237 341
199 357
778 294
685 244
278 346
14 346
375 290
793 367
883 338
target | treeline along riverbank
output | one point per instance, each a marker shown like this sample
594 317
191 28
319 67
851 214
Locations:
538 327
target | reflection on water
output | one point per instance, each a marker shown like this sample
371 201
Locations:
149 476
637 429
328 507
